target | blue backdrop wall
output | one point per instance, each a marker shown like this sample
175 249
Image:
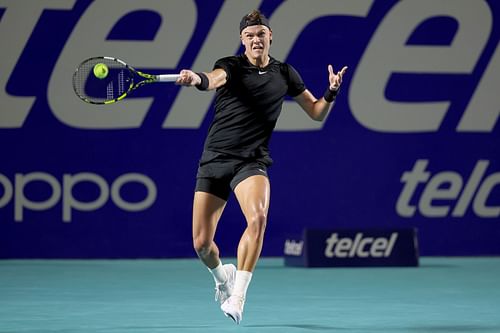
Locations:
413 140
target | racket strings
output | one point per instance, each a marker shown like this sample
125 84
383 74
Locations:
121 82
102 90
110 91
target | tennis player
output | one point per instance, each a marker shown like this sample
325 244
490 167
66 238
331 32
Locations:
251 88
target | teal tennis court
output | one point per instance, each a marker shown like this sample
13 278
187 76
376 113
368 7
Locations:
442 295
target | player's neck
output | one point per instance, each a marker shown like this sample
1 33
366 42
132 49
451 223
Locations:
261 61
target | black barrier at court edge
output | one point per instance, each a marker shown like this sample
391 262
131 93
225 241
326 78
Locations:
352 248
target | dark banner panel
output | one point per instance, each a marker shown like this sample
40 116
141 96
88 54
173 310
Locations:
352 248
412 142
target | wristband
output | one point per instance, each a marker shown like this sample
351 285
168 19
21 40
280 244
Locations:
330 95
204 81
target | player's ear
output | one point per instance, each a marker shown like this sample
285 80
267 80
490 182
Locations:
270 37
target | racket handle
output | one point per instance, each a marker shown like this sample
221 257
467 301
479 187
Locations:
167 77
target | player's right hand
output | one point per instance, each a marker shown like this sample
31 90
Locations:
188 78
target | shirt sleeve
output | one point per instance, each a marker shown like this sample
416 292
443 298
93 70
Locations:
296 85
227 64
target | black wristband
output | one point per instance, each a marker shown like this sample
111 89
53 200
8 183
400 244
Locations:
330 95
204 81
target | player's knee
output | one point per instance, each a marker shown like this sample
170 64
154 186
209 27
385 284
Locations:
202 245
257 224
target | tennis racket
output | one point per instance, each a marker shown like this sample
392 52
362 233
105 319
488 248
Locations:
106 80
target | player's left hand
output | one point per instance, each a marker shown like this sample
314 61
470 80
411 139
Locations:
335 79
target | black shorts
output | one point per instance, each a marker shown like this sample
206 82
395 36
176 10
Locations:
219 174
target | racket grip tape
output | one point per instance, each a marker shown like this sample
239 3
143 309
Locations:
167 77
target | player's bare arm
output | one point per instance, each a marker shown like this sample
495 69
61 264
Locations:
317 109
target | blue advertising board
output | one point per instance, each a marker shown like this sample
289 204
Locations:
352 248
412 142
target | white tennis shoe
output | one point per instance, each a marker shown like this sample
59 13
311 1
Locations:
224 290
233 308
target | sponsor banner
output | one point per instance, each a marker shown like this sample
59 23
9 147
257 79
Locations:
353 248
412 141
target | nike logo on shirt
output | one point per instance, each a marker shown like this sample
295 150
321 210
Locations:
260 72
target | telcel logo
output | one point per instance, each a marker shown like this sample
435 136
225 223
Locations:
366 96
362 247
448 192
293 248
16 190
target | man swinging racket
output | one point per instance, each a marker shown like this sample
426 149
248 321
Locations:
251 89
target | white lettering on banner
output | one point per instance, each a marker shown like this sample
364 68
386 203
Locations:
362 247
130 206
484 109
447 185
293 248
387 54
17 24
7 190
21 201
165 51
69 202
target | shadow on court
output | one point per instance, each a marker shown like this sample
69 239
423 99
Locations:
423 329
301 326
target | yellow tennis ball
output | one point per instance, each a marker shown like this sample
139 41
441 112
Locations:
101 71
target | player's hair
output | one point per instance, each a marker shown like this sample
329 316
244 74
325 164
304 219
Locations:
254 18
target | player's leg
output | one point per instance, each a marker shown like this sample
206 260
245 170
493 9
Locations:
207 210
253 194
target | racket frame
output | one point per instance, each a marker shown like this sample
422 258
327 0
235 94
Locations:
148 78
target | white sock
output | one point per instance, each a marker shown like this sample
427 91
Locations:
219 273
241 283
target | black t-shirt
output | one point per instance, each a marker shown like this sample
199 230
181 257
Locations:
248 105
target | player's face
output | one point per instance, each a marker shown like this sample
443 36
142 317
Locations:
257 41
